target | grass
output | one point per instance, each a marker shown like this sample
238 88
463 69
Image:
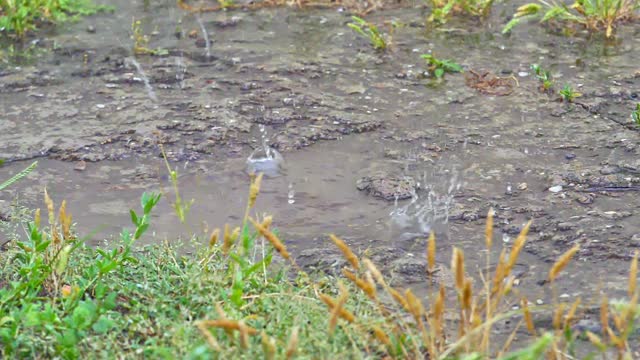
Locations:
438 67
568 94
592 15
228 299
369 31
18 17
635 114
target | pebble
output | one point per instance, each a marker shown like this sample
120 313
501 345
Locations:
522 186
539 302
556 189
564 296
91 29
570 156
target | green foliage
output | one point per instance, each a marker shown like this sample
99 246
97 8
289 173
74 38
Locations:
635 114
56 293
443 10
369 31
568 94
438 67
17 176
20 16
593 15
544 76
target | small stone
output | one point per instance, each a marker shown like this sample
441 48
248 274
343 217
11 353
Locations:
522 186
91 29
564 296
80 166
635 237
609 170
565 226
569 156
539 302
556 189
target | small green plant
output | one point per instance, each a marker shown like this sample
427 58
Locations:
593 15
438 67
442 10
20 16
635 114
544 76
226 3
568 94
369 31
49 298
179 206
17 177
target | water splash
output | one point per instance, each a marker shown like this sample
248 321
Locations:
205 35
291 194
430 203
265 159
150 92
181 69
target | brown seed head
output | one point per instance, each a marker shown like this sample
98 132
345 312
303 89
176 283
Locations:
562 262
273 239
457 267
50 207
254 190
467 294
268 347
381 335
213 239
331 304
633 276
335 312
292 345
528 320
431 252
488 231
366 286
518 245
36 218
346 251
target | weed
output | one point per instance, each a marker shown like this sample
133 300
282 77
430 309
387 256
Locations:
544 76
442 10
141 41
568 94
369 31
635 114
180 207
21 16
438 67
51 304
593 15
17 177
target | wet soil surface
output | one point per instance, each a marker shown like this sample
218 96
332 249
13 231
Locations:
372 149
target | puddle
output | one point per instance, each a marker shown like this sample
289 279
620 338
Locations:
335 112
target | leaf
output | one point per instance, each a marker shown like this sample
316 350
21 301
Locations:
439 72
103 325
134 217
109 303
82 316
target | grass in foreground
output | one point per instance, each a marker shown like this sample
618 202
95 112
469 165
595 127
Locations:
60 298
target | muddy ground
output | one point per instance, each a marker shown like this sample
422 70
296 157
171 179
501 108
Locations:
350 123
